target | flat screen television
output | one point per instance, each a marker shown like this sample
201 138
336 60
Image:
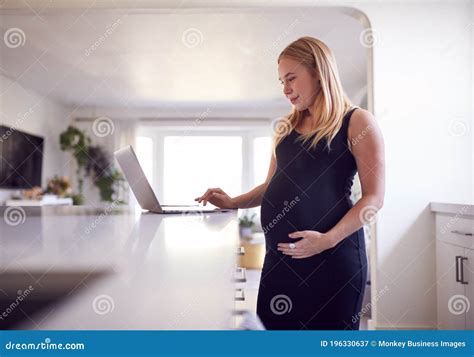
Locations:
21 159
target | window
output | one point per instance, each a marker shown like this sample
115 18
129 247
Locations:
144 155
193 164
182 167
261 158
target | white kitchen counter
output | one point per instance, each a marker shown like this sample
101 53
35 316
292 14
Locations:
452 208
118 268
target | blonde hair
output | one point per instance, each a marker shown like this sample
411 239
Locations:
334 103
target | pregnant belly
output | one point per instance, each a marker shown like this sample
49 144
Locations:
287 208
280 211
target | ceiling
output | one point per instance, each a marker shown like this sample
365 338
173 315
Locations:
146 58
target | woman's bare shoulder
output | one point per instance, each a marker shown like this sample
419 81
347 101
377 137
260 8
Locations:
361 120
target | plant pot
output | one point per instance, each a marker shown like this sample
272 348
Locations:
245 232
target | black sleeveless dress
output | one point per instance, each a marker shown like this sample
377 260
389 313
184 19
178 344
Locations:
310 190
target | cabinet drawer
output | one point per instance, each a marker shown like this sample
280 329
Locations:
455 230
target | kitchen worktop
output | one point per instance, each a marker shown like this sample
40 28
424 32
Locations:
452 208
117 268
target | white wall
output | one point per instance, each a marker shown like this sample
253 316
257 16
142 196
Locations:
31 112
472 97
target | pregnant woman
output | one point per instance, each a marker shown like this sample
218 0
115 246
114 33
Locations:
315 267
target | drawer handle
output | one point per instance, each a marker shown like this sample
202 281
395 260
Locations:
241 251
238 312
460 269
240 275
461 233
239 295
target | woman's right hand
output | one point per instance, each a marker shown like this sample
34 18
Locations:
217 197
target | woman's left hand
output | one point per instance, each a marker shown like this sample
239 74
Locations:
313 243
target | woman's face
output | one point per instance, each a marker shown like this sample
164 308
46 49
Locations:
300 84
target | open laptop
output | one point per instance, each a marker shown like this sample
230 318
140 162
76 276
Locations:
142 190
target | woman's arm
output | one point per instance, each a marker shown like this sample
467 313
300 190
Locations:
367 146
253 198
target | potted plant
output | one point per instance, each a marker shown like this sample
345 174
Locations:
245 224
59 186
93 162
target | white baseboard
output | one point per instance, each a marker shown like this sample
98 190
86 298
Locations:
371 324
404 327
